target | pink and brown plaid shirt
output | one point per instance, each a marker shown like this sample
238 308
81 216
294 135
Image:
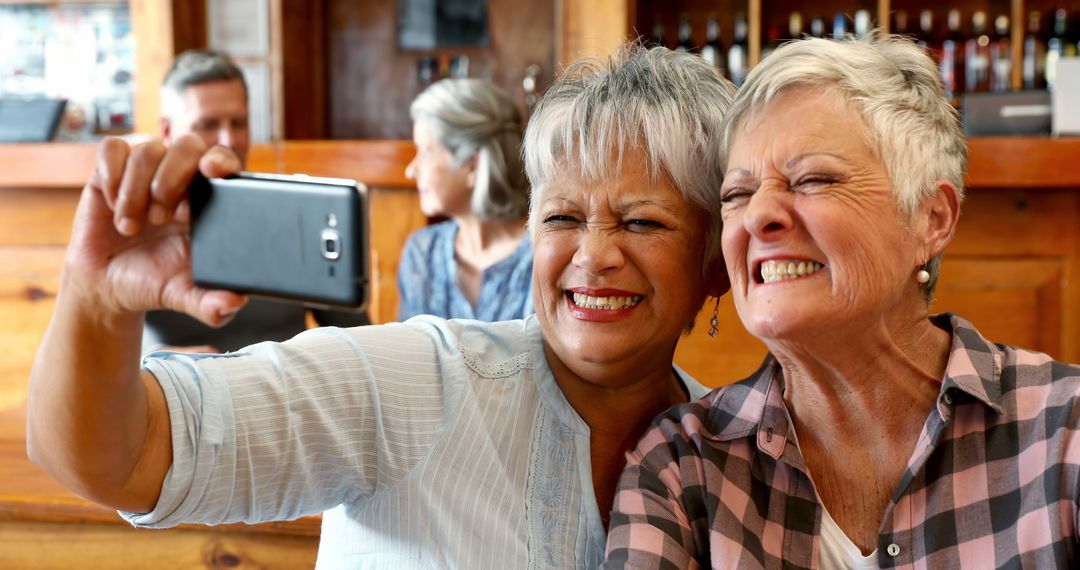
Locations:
993 482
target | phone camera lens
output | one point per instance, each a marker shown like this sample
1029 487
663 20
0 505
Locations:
330 241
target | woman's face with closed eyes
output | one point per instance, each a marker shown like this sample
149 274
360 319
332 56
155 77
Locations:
617 266
813 236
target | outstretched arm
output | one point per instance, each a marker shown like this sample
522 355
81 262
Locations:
96 421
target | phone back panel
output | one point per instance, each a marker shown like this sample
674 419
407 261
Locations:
270 235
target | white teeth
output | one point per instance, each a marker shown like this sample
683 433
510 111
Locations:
605 303
780 270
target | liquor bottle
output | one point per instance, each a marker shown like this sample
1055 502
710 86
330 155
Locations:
713 50
862 23
817 26
1000 56
1033 68
1073 47
684 34
657 37
977 55
739 53
952 57
795 26
1055 46
899 24
772 41
1072 39
926 29
839 26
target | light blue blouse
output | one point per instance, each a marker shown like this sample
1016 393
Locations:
429 444
427 280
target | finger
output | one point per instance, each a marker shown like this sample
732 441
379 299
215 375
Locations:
134 196
170 182
217 307
214 307
112 155
182 214
220 161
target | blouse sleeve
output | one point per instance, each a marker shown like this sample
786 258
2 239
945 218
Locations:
282 430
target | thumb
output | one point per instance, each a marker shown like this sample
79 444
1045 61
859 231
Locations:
217 307
213 307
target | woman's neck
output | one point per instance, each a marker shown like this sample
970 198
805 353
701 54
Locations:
476 236
621 398
617 402
480 245
858 405
835 380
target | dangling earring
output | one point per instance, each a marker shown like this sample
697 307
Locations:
714 322
922 276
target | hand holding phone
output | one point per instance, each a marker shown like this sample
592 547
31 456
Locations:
293 237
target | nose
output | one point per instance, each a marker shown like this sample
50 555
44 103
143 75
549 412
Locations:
768 213
226 137
599 250
410 169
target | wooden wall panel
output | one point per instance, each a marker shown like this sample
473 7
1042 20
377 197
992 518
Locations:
119 546
372 82
29 278
303 52
731 355
582 34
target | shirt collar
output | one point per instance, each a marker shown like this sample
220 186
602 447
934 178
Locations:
974 365
755 405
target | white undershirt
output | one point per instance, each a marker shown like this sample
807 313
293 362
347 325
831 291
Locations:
838 551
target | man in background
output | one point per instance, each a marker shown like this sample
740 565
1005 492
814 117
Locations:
204 93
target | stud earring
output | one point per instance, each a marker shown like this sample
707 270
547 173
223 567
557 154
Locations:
714 322
922 276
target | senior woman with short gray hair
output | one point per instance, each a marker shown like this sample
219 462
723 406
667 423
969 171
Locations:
468 167
429 443
874 434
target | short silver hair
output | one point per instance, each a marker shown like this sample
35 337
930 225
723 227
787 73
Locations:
473 117
896 88
194 67
669 104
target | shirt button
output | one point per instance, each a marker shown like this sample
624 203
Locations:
893 549
947 398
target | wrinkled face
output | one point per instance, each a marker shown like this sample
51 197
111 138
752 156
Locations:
445 188
617 265
813 238
216 112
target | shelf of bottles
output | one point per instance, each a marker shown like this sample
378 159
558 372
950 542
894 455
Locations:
980 46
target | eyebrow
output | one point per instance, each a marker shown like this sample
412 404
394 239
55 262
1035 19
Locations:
807 155
668 205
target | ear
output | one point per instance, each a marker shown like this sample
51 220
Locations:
720 284
939 214
165 127
470 170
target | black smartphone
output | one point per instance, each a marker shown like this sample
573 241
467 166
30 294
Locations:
295 237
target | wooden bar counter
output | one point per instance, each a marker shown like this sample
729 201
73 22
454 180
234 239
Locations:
1013 270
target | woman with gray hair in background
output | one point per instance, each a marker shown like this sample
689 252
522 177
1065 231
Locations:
874 434
429 443
477 264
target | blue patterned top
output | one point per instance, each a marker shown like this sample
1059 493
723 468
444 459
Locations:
427 280
426 444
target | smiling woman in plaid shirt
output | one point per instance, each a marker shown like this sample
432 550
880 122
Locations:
874 434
